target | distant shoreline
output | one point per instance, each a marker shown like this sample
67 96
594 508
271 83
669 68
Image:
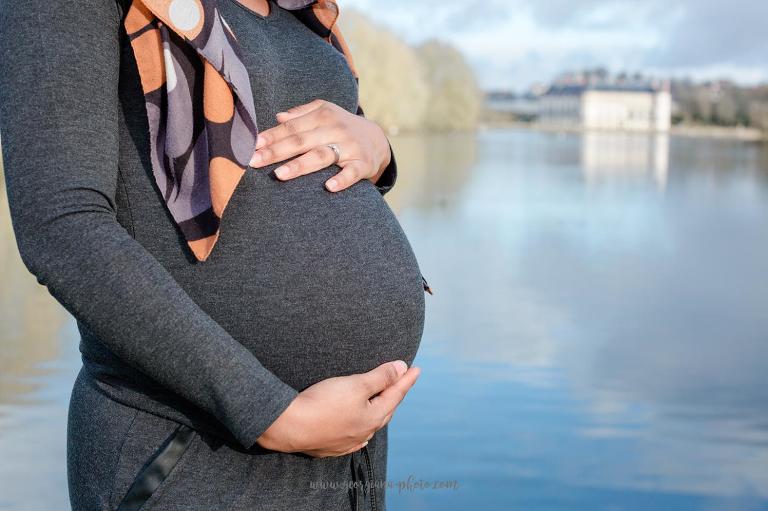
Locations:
714 132
721 132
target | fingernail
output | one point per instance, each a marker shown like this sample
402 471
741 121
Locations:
332 185
256 159
401 366
260 142
281 171
281 113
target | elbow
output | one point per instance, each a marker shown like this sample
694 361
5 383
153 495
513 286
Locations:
36 250
49 244
26 254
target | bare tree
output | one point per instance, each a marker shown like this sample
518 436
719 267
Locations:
393 88
455 100
403 88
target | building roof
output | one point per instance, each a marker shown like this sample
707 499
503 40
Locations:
578 90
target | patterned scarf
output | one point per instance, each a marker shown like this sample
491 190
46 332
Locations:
202 120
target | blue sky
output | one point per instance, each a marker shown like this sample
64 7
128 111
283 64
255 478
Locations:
514 43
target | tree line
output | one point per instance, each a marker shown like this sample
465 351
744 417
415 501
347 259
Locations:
428 87
721 103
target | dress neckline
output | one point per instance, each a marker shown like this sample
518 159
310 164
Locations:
274 11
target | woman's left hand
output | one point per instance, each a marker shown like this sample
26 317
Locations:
306 129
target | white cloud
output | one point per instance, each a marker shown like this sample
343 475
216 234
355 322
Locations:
513 43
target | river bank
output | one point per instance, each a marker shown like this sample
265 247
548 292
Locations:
712 132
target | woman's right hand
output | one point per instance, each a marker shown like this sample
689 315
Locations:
338 415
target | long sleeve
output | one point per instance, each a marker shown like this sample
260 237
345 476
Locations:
388 178
59 68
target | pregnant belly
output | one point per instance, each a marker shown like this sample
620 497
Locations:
315 284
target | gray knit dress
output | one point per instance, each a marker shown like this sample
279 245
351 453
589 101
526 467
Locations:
185 363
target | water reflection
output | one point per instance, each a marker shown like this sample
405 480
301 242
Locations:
610 156
433 170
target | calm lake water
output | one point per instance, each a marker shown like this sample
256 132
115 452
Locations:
598 337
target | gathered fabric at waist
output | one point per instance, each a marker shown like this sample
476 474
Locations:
126 385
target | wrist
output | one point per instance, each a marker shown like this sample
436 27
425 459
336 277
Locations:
384 156
284 434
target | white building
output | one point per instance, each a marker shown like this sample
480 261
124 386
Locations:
608 107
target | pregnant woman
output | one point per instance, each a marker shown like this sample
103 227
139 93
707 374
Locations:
245 329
